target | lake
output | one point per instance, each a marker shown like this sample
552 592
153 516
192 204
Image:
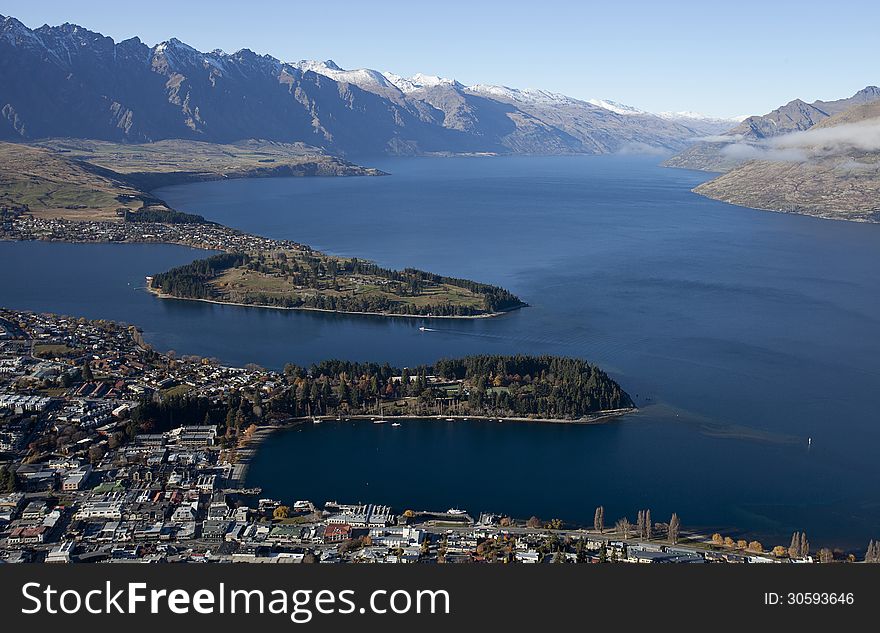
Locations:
739 333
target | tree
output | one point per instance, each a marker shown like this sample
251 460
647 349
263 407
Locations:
86 372
826 555
649 527
96 453
674 528
800 546
7 480
640 523
794 550
756 547
599 519
717 540
873 553
779 551
534 522
281 512
623 526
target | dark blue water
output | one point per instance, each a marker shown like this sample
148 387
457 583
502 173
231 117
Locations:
749 331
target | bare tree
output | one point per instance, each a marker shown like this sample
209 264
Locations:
648 524
624 527
599 519
640 523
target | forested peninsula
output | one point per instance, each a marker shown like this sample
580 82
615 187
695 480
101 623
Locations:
540 388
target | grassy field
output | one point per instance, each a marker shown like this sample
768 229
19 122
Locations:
240 285
52 186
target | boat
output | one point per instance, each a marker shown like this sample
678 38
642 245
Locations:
379 421
422 328
395 424
456 511
316 420
450 420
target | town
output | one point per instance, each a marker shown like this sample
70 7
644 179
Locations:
113 452
17 225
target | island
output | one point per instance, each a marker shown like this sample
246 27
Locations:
76 190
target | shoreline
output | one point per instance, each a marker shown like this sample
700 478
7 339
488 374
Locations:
599 417
246 450
488 315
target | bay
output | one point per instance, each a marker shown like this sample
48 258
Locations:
739 333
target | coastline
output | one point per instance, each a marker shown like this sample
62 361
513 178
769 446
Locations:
488 315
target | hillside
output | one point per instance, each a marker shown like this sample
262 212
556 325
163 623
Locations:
50 186
99 180
830 171
68 82
723 152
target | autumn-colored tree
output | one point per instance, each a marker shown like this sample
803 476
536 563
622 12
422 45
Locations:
717 540
674 528
742 544
755 546
729 542
281 512
872 555
779 551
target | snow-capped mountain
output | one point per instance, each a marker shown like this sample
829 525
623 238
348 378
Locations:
69 81
617 108
363 77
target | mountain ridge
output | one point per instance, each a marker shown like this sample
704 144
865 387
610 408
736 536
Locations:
68 81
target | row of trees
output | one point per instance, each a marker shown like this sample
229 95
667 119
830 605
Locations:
644 527
162 216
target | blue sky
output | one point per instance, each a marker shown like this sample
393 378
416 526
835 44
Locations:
725 59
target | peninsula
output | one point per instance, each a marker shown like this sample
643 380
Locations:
96 191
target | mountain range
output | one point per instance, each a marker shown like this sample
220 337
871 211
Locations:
820 159
67 81
723 152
